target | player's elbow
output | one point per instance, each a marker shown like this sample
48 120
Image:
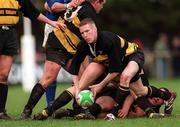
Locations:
56 8
53 8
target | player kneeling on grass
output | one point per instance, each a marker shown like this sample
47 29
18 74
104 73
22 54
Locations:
121 57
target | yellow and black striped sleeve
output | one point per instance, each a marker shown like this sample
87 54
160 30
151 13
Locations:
129 47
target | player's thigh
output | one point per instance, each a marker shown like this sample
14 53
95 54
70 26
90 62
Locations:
133 65
90 74
131 69
128 73
84 65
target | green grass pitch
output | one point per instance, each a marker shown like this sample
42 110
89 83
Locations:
17 98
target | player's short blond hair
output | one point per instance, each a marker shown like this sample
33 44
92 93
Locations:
86 21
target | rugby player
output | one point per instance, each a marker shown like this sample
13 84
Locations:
9 17
60 48
122 58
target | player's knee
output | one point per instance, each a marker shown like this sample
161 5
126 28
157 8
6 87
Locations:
71 90
47 81
3 78
124 80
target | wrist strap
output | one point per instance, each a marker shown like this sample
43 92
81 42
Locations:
65 6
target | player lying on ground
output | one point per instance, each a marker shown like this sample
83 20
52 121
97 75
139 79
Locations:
105 102
130 108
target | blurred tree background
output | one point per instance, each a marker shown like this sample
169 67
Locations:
142 19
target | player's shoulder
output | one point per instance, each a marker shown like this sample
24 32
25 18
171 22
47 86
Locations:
107 34
86 6
86 3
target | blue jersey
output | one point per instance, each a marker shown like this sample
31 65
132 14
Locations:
54 16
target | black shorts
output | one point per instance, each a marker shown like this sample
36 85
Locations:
8 41
138 57
56 52
107 91
144 79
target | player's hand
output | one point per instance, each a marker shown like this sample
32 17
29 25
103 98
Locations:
58 25
75 3
122 113
95 89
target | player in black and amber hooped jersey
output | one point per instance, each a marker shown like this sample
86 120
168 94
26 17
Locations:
60 48
9 10
122 58
54 8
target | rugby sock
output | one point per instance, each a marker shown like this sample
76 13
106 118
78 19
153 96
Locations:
121 95
145 105
77 108
95 109
144 80
155 92
35 96
62 100
115 109
3 96
50 93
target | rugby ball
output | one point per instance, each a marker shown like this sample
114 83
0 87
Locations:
85 98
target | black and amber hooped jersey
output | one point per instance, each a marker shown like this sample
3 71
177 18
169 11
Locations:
109 49
70 36
127 48
9 12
